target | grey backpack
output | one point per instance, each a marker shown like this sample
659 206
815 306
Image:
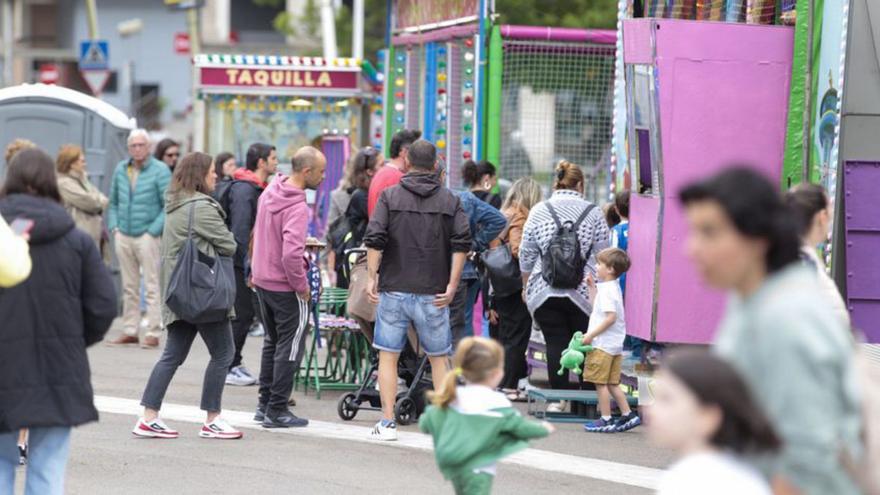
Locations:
201 289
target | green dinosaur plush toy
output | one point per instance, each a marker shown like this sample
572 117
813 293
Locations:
573 357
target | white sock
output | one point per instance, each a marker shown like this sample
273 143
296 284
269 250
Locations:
606 418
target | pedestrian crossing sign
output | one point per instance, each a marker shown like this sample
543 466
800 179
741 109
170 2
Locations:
94 55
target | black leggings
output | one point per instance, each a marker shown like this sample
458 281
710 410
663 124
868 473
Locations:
514 330
559 319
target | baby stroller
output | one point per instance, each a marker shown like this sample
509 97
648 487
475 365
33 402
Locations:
411 368
410 401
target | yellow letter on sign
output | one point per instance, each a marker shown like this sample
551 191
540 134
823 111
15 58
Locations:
261 77
324 80
230 73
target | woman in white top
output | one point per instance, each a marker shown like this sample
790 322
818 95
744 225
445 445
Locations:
703 410
812 210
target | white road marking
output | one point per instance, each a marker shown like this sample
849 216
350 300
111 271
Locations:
615 472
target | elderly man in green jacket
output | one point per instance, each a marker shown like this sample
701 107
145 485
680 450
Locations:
135 218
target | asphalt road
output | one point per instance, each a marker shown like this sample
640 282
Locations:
332 457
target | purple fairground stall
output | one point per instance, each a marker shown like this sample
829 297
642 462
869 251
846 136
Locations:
699 95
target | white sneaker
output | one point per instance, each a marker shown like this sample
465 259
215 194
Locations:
247 373
557 407
220 429
239 379
257 330
154 429
386 433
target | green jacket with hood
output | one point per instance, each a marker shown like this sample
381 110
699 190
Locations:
477 430
209 230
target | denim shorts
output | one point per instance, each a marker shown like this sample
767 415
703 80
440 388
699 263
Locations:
397 310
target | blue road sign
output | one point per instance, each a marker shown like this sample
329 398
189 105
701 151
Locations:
94 55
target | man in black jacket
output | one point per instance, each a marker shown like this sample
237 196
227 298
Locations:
241 212
420 235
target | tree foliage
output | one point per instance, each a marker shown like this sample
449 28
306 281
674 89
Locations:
559 13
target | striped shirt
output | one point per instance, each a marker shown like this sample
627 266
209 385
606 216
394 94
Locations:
539 230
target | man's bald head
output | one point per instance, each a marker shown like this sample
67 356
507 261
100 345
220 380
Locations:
308 165
306 157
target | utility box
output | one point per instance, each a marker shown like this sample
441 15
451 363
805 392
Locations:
52 116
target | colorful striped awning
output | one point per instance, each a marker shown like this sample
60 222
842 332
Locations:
286 61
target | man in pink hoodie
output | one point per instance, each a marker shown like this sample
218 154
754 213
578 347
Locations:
279 273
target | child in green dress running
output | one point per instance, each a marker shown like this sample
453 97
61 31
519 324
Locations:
472 424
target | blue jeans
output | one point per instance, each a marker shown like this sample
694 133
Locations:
462 309
397 310
48 449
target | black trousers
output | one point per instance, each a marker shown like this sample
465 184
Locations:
246 306
286 318
218 339
514 330
559 319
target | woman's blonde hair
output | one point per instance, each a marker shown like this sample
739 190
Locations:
524 193
67 156
475 360
15 146
567 175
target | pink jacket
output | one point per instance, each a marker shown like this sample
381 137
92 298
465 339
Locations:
280 232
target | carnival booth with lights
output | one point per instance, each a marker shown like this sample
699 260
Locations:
289 102
698 96
522 97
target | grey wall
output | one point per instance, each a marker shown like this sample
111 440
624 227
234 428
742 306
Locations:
860 116
150 52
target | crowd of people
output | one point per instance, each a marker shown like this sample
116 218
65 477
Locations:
555 264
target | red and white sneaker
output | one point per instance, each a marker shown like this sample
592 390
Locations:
220 429
153 429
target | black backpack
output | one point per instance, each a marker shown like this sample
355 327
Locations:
562 265
222 193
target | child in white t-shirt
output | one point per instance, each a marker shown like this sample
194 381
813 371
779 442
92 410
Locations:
606 333
703 410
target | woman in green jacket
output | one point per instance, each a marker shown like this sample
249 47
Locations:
189 192
779 332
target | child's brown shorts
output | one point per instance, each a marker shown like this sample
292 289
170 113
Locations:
602 368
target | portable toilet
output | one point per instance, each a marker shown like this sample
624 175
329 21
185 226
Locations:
52 116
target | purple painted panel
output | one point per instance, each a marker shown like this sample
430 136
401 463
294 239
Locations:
644 212
861 183
543 33
723 98
637 41
336 149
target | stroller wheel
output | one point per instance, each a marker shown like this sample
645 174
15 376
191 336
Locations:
405 411
346 407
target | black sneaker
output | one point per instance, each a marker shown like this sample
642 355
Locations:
260 415
283 419
627 422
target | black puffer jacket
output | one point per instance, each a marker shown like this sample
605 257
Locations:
66 304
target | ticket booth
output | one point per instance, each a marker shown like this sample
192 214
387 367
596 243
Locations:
700 95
